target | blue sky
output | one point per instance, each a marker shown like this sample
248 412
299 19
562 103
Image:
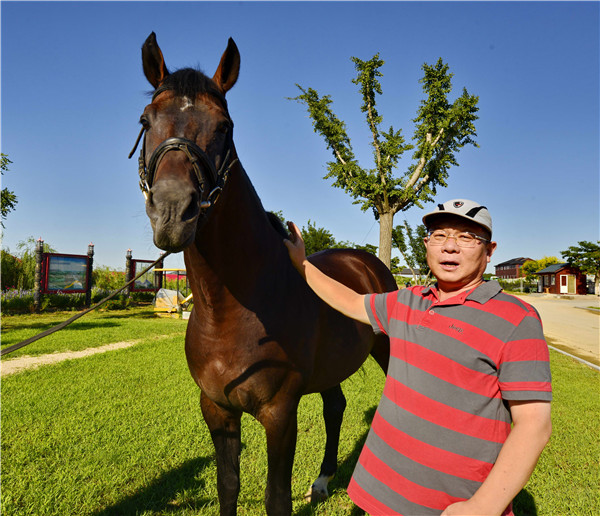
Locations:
73 89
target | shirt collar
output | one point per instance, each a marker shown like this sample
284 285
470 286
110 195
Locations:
481 294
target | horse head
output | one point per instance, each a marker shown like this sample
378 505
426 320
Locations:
187 148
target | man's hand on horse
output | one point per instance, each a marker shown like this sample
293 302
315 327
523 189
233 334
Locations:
295 246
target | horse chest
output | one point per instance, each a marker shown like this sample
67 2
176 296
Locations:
238 370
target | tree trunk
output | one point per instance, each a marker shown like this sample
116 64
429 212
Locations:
386 224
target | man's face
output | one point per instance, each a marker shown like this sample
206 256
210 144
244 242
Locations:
458 268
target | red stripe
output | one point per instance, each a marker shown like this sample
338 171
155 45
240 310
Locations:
526 386
526 349
511 312
415 493
445 369
430 456
365 501
443 415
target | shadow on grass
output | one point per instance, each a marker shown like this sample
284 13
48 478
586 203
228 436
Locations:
524 504
161 496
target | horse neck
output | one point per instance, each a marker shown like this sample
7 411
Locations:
237 248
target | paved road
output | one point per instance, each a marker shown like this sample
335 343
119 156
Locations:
570 324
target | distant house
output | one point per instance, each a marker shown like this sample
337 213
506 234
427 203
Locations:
510 269
562 278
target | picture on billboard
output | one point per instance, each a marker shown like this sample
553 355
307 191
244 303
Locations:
65 273
145 282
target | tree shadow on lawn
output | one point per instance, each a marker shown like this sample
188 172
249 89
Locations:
161 496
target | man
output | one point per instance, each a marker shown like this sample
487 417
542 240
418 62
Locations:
466 361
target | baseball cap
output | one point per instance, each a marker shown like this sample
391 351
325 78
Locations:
464 208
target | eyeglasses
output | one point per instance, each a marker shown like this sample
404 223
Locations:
463 239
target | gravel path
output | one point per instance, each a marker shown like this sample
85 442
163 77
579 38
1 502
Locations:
570 323
21 363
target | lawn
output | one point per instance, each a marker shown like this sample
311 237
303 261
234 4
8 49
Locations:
121 433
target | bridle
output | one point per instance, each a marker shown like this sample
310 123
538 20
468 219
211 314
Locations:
198 158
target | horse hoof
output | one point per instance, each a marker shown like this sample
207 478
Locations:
315 495
318 491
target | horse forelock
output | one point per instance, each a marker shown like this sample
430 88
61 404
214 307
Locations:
189 82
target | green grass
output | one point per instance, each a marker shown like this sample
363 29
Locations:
122 434
93 330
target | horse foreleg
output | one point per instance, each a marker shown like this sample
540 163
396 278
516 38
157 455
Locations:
224 429
281 427
334 404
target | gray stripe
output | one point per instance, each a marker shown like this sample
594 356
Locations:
446 346
440 437
525 371
527 395
488 322
530 328
388 496
447 393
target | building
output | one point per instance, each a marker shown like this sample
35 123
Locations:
510 269
562 278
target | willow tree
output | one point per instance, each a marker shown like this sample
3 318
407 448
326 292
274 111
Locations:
441 130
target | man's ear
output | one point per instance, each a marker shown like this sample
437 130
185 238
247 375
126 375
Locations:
491 247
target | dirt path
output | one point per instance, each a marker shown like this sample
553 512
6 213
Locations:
570 324
21 363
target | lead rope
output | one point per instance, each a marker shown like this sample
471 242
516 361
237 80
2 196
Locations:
62 325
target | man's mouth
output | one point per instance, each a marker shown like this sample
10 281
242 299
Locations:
449 265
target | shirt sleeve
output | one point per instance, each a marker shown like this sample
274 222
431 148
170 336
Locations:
377 310
525 363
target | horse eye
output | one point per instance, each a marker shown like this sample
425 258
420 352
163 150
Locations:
145 122
223 127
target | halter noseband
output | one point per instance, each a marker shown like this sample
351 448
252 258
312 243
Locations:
198 158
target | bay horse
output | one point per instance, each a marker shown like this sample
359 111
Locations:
258 338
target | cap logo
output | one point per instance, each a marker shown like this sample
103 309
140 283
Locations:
457 204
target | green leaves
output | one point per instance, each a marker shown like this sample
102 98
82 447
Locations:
585 256
8 201
441 130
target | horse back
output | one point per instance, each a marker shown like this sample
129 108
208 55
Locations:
359 270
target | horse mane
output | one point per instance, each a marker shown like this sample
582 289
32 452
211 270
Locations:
277 224
189 82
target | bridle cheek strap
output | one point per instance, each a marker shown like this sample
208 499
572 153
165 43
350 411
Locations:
198 158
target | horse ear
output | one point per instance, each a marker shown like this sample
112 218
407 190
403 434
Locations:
229 67
155 68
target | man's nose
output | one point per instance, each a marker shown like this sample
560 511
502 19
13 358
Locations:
451 243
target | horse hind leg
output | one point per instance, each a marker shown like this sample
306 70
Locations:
334 404
225 430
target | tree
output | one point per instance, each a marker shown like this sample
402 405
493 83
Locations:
19 271
411 247
530 267
8 202
441 129
586 257
316 239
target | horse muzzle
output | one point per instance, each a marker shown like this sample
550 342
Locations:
174 211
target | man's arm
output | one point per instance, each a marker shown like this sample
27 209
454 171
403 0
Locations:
531 431
335 294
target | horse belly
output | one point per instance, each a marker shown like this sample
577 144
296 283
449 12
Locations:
343 346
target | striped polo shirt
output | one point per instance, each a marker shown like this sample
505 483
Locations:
443 416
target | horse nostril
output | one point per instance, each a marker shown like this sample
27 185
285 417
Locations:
191 210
